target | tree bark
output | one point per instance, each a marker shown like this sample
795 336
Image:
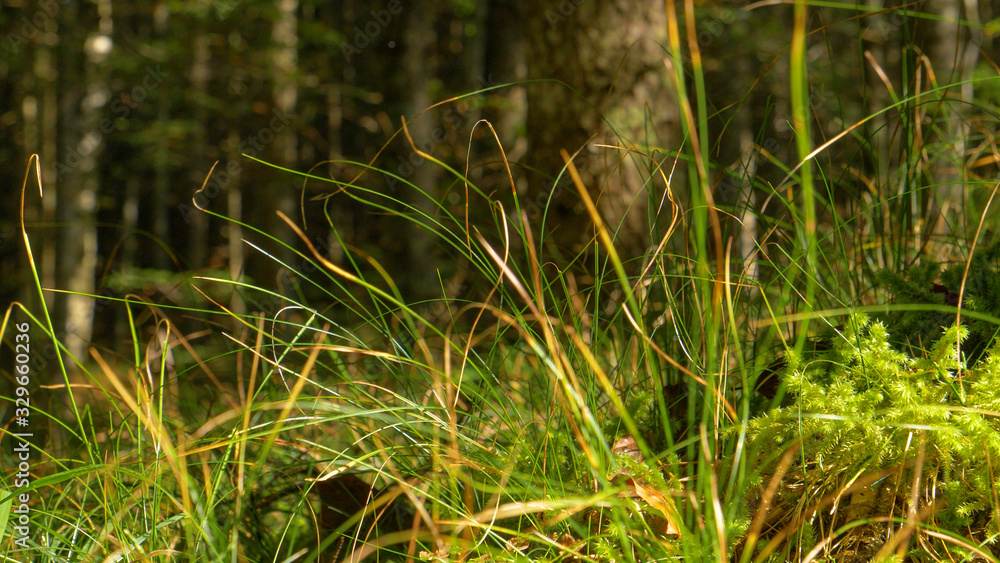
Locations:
612 54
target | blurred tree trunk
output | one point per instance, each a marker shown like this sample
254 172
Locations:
234 232
14 81
953 50
281 195
159 192
505 61
335 122
730 77
419 40
28 97
612 54
201 74
83 92
47 75
128 258
50 123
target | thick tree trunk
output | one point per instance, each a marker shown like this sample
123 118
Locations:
612 54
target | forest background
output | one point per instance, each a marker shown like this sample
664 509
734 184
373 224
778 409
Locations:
129 105
345 191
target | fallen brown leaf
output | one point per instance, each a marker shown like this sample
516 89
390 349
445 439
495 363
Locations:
660 502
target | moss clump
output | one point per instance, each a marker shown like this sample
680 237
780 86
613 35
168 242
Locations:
862 406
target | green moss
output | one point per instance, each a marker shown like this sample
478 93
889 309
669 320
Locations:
862 406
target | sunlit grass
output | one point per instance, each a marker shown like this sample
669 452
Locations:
597 406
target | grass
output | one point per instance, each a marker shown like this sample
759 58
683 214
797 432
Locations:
609 407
